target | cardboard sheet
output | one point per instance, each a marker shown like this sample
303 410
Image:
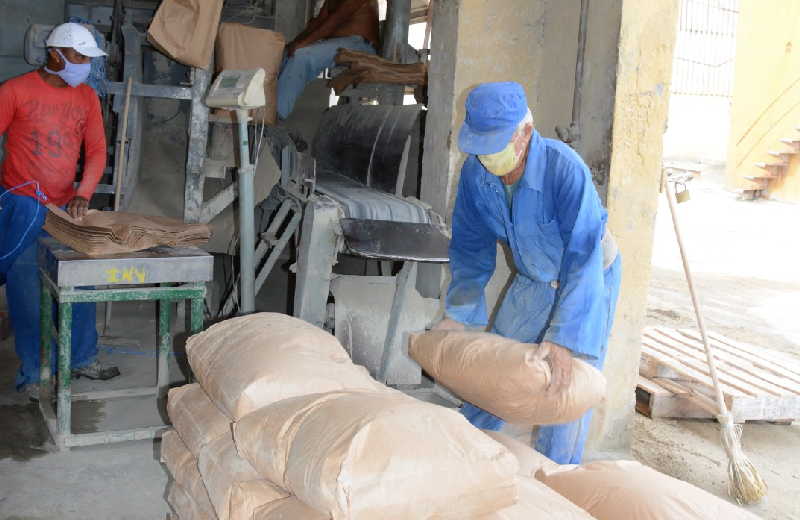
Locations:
115 232
506 377
378 455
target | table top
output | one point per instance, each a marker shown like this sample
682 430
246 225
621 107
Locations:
69 268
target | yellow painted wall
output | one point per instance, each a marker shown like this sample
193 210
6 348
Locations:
766 93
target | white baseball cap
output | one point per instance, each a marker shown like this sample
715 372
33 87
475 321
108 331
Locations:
76 36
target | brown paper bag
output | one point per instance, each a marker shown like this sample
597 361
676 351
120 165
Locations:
249 362
288 509
378 455
530 460
247 497
243 47
182 466
196 419
618 490
538 501
506 377
221 468
185 30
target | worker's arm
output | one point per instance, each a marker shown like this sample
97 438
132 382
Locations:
94 148
473 250
8 103
331 22
578 317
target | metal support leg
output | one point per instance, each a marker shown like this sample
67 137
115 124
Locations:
197 314
46 331
164 345
406 280
316 258
247 233
64 406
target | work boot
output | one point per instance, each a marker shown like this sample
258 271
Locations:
31 390
95 370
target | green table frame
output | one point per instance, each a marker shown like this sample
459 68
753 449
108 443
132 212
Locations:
59 420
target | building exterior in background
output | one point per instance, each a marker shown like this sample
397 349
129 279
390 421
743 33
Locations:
764 147
702 82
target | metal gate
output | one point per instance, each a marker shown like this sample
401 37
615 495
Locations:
705 49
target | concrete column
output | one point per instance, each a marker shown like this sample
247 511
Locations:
535 42
647 39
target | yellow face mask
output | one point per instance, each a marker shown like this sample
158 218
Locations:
503 162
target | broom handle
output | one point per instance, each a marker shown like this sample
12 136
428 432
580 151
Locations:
712 368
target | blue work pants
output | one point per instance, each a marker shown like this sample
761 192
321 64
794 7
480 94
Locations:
20 271
307 63
562 443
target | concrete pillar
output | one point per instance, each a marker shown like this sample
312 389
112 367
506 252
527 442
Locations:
647 39
535 42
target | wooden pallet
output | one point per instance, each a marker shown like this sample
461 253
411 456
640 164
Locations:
674 381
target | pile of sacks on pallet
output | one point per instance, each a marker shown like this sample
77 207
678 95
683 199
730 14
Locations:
282 425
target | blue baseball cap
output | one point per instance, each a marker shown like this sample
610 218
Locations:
494 110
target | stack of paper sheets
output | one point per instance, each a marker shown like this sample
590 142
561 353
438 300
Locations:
114 232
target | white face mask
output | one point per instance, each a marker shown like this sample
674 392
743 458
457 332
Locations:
503 162
73 73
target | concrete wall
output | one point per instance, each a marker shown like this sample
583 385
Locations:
535 43
18 15
766 94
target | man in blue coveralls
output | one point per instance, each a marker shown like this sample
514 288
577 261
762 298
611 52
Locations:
535 195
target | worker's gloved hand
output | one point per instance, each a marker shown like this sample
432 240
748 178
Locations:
560 361
449 324
77 207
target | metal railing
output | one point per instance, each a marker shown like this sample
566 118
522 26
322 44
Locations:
705 49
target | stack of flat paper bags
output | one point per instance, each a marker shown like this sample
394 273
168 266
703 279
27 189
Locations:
114 232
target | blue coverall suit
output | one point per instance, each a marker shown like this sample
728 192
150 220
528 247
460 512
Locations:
20 273
562 292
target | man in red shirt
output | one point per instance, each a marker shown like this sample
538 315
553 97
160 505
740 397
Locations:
47 115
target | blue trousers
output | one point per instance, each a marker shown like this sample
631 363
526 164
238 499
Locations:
307 63
20 272
562 443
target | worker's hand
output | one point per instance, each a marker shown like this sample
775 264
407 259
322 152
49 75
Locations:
560 361
449 324
77 207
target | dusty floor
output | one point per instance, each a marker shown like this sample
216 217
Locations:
746 261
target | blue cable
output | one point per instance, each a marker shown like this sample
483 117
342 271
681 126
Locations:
35 217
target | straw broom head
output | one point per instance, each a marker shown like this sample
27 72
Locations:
744 481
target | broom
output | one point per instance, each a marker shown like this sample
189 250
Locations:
745 483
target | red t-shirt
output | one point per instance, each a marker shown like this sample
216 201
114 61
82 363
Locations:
45 127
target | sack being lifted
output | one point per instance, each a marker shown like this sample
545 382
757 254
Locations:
378 455
506 377
248 362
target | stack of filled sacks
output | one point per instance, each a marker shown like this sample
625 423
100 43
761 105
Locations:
282 425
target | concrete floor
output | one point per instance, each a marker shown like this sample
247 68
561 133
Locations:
745 258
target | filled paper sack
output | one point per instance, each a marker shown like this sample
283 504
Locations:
537 501
614 490
252 361
196 419
506 377
187 491
530 461
378 455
